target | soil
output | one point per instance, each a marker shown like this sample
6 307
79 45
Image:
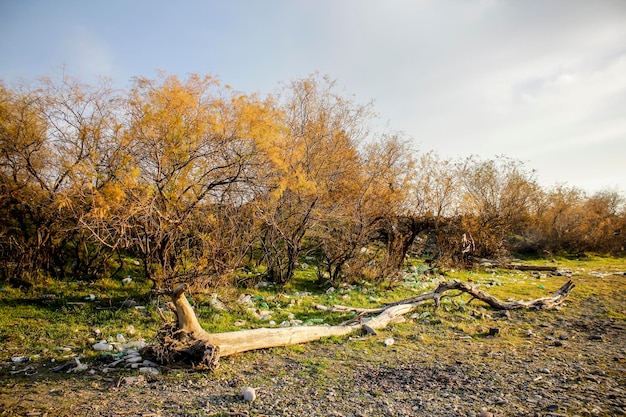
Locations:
570 362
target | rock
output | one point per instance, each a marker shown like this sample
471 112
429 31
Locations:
558 343
485 413
494 331
249 394
369 330
129 304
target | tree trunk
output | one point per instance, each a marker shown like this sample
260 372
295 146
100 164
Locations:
189 341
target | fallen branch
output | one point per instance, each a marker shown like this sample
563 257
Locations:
189 341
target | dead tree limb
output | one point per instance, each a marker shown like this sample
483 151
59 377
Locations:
189 339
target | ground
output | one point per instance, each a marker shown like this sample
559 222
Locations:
569 362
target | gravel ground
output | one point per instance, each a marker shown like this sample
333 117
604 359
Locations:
565 368
562 363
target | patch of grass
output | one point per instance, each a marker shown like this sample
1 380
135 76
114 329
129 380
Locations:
56 320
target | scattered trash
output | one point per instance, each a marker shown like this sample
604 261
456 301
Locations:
134 359
127 280
249 394
63 367
245 299
80 367
321 307
149 370
103 346
330 290
120 338
28 371
90 297
216 303
389 341
19 359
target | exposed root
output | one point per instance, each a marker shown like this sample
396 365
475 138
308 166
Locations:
175 346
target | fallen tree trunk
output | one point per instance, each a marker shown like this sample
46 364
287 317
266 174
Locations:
189 341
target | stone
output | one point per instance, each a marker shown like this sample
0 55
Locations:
249 394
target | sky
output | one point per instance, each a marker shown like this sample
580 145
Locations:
540 81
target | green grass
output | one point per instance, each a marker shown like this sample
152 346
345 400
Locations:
64 326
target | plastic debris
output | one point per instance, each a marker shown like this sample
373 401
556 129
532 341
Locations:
216 303
149 370
245 299
19 359
80 367
389 341
103 346
127 280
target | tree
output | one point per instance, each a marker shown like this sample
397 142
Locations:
50 139
190 148
495 201
319 162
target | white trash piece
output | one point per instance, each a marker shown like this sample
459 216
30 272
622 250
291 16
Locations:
149 370
103 346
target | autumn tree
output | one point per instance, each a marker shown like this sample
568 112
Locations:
495 199
50 139
190 148
317 167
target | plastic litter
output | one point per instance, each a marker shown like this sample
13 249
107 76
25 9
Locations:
103 346
149 370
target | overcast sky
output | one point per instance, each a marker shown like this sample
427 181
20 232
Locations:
542 81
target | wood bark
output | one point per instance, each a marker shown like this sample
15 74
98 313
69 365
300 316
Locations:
193 339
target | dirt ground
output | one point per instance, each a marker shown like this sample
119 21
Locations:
570 362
